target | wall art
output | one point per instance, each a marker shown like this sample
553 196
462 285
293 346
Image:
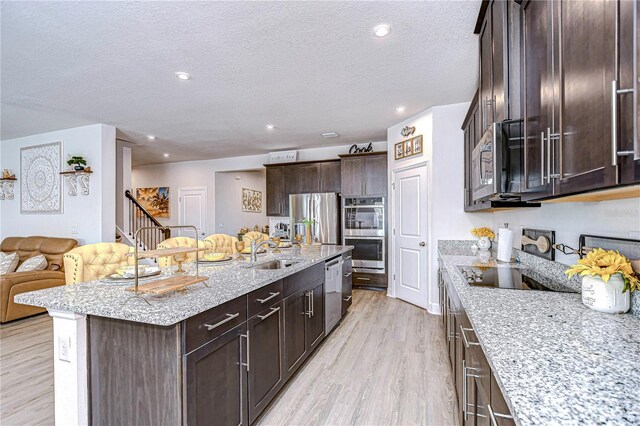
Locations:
251 200
40 180
155 200
408 148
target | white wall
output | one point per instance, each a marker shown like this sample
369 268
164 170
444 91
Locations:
443 153
93 214
618 218
203 173
228 213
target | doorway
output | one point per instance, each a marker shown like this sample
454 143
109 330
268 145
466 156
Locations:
192 210
410 266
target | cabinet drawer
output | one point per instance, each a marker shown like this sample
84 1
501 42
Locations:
296 282
369 280
210 324
260 299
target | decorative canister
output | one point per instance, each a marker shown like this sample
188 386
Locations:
605 297
484 243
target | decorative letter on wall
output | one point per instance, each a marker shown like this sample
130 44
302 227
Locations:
41 183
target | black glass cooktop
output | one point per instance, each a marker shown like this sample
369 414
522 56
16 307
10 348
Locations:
509 278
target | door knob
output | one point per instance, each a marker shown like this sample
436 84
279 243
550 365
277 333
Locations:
422 244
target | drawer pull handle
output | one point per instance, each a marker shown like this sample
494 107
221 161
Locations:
493 415
347 258
348 298
347 275
272 295
273 311
224 321
464 337
363 278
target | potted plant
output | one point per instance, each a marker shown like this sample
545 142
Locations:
307 230
607 280
79 162
485 235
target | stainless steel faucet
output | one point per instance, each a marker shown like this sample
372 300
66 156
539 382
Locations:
255 246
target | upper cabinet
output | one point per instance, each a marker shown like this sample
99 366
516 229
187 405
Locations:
364 174
299 178
579 125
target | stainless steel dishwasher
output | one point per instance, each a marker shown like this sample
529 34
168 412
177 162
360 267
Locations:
332 293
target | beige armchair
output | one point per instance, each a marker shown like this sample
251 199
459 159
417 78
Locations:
253 235
181 242
222 243
95 261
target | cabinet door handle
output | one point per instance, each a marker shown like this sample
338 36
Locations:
614 125
348 298
224 321
313 307
309 314
493 415
542 158
467 343
363 278
272 295
273 311
347 275
247 364
348 257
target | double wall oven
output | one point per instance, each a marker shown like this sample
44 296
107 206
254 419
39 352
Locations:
364 228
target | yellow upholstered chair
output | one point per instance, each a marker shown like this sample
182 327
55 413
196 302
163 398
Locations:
181 242
222 243
252 235
95 261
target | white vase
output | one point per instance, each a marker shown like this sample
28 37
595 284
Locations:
484 243
605 297
484 256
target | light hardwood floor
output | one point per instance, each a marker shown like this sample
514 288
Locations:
385 364
26 372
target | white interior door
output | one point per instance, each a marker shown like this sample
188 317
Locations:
193 210
410 266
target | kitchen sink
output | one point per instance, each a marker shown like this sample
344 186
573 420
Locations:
275 264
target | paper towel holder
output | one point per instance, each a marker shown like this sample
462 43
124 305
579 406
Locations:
538 242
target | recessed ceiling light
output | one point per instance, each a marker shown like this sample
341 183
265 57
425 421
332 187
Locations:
400 108
151 137
381 30
329 135
183 75
269 126
165 155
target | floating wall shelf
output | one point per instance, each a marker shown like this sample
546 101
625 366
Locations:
74 177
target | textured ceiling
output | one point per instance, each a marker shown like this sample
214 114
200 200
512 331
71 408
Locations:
306 67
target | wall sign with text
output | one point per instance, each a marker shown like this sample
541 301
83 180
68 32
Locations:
408 148
355 149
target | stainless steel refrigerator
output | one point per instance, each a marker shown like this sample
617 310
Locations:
323 208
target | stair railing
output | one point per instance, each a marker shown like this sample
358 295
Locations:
139 217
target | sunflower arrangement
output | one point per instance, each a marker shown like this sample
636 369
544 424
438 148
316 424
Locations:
605 263
483 232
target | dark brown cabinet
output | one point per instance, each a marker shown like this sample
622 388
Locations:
299 178
315 317
266 359
364 174
469 127
571 97
216 383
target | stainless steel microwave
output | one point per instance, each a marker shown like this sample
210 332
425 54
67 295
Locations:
497 163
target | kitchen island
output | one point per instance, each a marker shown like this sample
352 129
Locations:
220 350
536 357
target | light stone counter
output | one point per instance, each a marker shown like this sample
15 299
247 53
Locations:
226 282
556 361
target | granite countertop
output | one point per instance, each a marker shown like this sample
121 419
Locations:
225 282
555 360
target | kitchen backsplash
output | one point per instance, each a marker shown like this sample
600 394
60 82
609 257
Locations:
550 269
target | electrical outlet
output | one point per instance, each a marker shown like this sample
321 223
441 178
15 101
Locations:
64 348
75 229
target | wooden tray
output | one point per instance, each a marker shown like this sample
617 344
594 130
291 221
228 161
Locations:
166 252
168 285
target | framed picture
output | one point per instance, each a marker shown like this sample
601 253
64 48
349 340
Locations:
155 200
40 179
399 150
417 145
407 148
251 200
